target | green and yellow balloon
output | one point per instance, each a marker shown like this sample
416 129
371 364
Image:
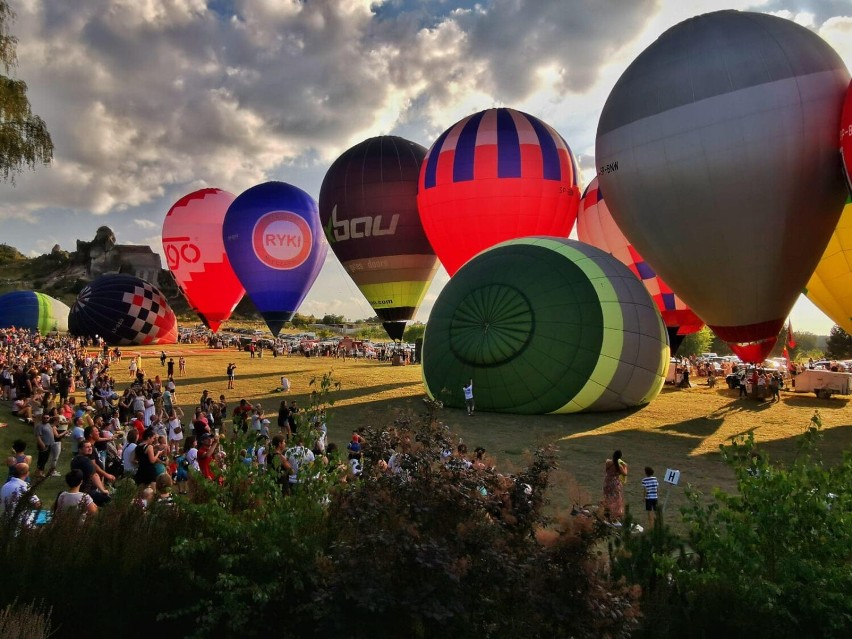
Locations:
545 325
34 311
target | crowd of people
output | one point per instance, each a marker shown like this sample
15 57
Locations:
140 433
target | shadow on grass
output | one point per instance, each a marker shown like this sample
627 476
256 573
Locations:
700 427
834 442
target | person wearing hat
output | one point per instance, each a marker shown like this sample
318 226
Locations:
264 428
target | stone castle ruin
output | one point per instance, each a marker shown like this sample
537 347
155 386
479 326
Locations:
102 255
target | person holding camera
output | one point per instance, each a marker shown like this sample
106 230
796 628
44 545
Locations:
231 371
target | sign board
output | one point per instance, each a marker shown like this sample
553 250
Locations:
672 476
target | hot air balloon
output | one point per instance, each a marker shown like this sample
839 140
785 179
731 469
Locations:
716 150
494 176
123 310
830 286
595 226
274 241
846 136
545 325
34 311
368 207
192 242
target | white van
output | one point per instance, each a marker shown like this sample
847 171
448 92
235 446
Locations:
822 383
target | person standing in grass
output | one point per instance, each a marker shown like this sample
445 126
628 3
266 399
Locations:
615 474
468 397
652 488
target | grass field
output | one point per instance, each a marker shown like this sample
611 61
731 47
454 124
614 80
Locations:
681 429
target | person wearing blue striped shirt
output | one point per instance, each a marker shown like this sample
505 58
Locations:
652 487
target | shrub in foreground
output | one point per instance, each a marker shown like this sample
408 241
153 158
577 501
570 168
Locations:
772 560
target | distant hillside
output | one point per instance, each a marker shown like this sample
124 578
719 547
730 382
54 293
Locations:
63 274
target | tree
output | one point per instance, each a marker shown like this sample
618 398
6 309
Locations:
752 551
329 319
696 343
839 344
413 332
24 139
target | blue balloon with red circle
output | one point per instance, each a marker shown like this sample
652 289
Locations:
274 241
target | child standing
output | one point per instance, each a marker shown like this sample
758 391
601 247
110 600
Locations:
652 487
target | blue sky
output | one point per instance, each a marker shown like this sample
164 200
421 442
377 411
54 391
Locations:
149 100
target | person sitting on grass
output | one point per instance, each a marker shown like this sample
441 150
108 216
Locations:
73 501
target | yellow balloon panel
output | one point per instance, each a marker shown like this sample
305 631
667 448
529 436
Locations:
830 287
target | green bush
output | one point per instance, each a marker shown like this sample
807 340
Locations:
772 560
435 550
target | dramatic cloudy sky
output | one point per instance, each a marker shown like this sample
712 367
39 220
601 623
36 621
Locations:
150 99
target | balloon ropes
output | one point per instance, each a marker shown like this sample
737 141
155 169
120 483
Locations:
716 150
195 253
368 208
496 175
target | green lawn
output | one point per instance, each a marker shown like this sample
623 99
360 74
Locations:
681 429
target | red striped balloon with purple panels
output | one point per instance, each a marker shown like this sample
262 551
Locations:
496 175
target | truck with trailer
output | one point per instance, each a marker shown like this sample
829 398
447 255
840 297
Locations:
823 383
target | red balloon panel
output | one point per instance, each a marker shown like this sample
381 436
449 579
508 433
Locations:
496 175
195 252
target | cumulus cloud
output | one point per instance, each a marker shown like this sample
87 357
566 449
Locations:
149 100
145 97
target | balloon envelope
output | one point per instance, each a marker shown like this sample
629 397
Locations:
34 311
192 242
830 287
494 176
717 153
846 136
545 325
595 226
274 241
368 207
123 310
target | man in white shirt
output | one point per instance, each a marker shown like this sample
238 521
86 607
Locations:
15 488
468 397
298 456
